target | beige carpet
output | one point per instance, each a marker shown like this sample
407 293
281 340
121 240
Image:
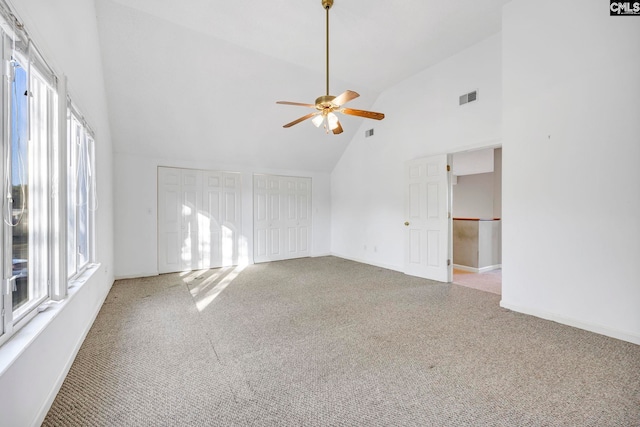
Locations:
330 342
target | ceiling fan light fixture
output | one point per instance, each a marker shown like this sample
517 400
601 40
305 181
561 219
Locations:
332 121
317 120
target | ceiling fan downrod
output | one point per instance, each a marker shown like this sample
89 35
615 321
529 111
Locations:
326 4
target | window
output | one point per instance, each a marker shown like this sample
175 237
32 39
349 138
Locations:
17 174
32 125
81 197
49 198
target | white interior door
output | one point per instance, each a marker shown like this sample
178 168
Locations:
427 223
199 217
282 217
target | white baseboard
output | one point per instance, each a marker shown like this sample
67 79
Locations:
136 276
365 261
318 255
591 327
477 270
155 273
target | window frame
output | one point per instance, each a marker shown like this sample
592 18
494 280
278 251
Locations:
80 153
42 134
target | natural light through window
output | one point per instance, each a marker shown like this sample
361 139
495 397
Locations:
210 288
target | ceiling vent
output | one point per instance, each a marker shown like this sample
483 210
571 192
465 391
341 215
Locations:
368 133
468 97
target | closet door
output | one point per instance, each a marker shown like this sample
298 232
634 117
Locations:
282 220
199 216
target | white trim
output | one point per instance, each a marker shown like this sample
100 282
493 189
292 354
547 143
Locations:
139 275
477 270
369 262
591 327
318 255
155 273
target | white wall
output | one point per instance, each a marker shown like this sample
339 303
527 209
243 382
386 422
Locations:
136 244
473 196
423 118
479 195
65 32
571 147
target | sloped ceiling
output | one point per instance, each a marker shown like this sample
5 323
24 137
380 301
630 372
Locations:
198 79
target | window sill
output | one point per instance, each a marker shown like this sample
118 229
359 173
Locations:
11 350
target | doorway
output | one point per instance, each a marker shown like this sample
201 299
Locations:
477 219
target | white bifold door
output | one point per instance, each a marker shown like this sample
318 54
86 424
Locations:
282 217
199 219
427 218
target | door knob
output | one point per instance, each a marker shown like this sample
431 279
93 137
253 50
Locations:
406 223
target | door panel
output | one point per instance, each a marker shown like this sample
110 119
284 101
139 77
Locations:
274 204
303 207
303 240
172 248
414 246
292 243
260 243
427 228
275 243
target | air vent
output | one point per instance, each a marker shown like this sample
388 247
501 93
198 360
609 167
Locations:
468 97
368 133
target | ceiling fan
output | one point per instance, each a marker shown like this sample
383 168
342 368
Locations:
327 105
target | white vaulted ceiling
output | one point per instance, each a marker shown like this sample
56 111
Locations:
198 79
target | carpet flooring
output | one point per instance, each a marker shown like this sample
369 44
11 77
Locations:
330 342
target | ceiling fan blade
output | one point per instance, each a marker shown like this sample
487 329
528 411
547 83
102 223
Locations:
362 113
345 97
338 129
296 103
301 119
